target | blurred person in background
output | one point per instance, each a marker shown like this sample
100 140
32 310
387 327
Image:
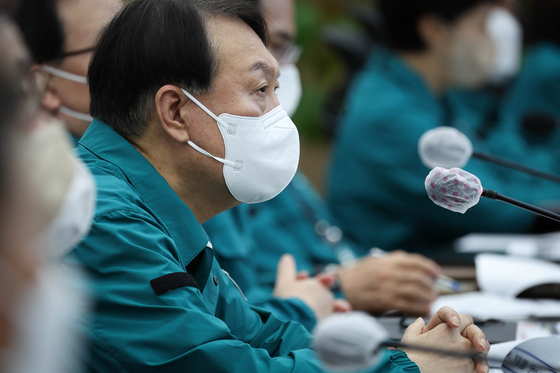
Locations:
39 173
61 35
532 105
250 241
376 178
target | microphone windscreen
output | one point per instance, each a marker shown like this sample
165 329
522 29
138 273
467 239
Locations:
349 342
444 147
453 189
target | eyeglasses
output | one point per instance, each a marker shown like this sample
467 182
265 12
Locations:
75 53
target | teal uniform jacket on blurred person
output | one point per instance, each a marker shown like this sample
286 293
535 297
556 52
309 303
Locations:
249 240
376 182
162 302
536 91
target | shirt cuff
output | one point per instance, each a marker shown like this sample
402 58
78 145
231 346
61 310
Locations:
401 359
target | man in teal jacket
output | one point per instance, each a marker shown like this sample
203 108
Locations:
250 241
158 153
376 185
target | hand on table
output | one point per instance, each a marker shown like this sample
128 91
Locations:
447 330
314 292
399 281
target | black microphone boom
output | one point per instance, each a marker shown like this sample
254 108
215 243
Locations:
516 166
490 194
475 355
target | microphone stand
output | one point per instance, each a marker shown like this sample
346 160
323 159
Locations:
475 355
516 166
490 194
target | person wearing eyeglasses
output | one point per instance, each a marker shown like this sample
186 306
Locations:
72 26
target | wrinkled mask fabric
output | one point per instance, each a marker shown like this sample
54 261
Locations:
261 153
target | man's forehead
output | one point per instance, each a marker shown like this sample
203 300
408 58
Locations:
238 45
84 19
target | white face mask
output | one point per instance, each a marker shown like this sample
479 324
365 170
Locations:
262 153
73 221
75 78
289 93
472 61
43 324
63 188
507 33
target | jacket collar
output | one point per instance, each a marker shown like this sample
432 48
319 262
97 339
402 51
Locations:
190 238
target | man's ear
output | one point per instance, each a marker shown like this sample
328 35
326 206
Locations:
170 102
433 31
41 80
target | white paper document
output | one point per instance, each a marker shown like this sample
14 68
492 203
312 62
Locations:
509 275
545 246
485 306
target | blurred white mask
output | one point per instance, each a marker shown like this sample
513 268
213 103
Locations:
290 91
507 33
43 319
64 187
472 60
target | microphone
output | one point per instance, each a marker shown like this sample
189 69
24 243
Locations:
355 341
448 147
458 191
348 342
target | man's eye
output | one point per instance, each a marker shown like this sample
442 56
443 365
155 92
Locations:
263 89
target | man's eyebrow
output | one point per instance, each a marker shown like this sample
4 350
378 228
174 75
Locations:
265 67
286 36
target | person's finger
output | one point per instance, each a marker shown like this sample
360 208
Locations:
326 279
415 292
466 321
481 364
417 277
303 275
415 329
287 270
342 306
477 338
445 315
420 263
413 308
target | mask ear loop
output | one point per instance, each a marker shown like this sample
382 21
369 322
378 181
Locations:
65 75
220 122
221 160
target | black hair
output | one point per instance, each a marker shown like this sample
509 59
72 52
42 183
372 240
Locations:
41 28
543 23
402 17
151 43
